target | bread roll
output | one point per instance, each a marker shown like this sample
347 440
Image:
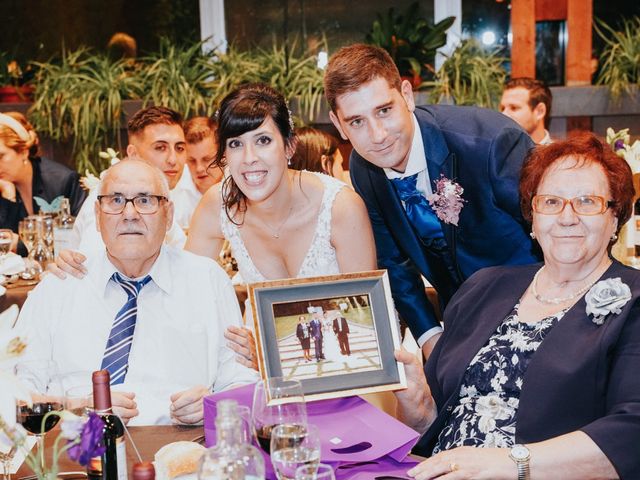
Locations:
177 458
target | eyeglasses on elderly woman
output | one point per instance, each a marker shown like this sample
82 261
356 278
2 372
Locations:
582 205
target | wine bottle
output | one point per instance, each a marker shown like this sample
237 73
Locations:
144 471
636 231
112 465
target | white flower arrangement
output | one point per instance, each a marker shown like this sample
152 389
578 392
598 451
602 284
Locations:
447 200
11 347
90 181
605 298
619 142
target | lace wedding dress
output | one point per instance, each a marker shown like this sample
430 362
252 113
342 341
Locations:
321 256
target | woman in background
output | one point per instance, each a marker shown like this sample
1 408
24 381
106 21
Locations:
24 175
317 151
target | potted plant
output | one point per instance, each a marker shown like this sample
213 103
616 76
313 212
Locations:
471 75
411 40
620 70
14 86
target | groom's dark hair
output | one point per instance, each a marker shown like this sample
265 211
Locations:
353 66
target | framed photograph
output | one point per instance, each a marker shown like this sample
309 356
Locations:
335 334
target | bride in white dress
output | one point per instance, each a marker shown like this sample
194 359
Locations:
331 347
281 223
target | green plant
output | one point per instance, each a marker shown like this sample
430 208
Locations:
12 73
80 96
621 66
471 75
178 77
410 39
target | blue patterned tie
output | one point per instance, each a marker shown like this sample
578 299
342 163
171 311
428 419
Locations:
116 354
419 212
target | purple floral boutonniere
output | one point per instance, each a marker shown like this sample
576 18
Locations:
447 200
607 297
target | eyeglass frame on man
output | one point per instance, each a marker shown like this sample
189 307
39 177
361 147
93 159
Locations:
159 198
604 204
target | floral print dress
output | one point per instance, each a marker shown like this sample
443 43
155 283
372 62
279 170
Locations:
485 415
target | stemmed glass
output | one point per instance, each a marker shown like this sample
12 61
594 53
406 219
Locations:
294 446
43 380
276 401
28 232
321 471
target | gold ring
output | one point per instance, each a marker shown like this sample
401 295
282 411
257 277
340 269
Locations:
453 467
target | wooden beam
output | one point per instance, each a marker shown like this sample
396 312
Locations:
550 10
579 20
523 46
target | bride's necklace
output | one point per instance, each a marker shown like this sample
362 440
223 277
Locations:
275 232
557 300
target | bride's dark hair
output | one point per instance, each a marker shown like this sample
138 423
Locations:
241 111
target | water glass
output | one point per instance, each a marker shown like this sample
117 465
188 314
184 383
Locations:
321 472
276 401
294 446
79 400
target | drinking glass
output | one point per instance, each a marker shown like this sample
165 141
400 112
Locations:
6 236
276 401
28 232
43 380
321 472
6 457
79 400
294 446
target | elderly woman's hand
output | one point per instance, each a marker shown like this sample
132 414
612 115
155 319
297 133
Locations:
467 463
242 342
416 407
7 190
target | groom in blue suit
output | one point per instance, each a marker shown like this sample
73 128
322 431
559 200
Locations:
440 182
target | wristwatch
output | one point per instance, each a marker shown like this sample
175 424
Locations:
520 454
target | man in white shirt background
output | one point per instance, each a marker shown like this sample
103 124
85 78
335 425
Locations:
200 134
155 137
528 102
174 352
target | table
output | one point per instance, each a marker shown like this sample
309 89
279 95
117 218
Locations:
16 293
148 440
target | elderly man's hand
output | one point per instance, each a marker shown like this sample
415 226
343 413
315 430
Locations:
416 407
242 342
124 405
186 406
70 262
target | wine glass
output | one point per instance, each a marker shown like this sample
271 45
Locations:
6 236
276 401
320 472
294 446
28 231
78 392
43 381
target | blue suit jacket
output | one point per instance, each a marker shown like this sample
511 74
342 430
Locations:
582 377
483 151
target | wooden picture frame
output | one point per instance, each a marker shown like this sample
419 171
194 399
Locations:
358 360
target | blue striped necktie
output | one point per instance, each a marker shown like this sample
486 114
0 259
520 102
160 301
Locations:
419 212
116 354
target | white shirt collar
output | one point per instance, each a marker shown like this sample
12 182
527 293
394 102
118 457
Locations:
160 272
546 140
417 157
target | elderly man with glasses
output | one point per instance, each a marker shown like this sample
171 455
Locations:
151 314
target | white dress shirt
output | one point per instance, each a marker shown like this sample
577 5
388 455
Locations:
86 238
417 164
178 341
185 197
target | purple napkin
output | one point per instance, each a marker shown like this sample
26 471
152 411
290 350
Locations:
351 431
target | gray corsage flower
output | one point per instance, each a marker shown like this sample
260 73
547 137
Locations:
607 297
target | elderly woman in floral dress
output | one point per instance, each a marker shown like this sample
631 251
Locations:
539 364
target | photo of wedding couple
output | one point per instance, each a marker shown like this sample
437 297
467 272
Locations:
325 337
